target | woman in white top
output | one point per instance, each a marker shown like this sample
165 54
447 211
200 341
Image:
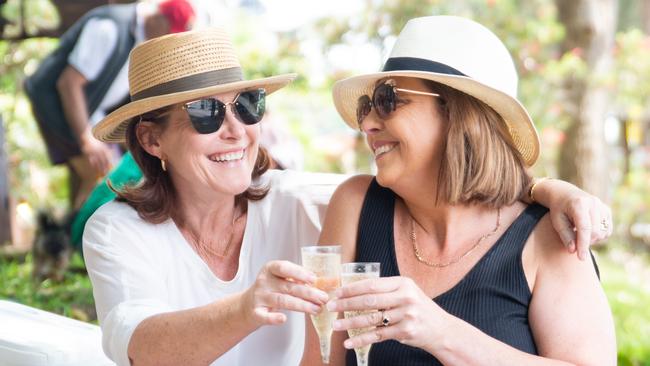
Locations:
195 265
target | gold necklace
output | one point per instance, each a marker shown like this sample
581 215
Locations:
421 259
206 251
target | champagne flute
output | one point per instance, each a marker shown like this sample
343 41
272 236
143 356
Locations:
325 262
352 272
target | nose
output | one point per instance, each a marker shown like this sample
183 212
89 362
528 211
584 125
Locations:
232 128
371 124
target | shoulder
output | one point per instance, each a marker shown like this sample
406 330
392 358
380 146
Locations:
99 29
354 188
94 46
553 261
350 194
117 223
115 211
568 313
343 213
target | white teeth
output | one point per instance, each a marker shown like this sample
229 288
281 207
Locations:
384 149
228 156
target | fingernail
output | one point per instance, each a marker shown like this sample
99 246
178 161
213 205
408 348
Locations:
323 297
336 325
315 309
331 306
572 246
311 278
347 344
582 255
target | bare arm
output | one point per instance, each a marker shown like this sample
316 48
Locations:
191 337
569 313
70 86
340 227
201 335
579 218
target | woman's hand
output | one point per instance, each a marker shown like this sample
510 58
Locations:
282 285
408 315
579 218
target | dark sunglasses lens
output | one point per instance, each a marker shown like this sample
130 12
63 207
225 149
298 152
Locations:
363 108
250 106
206 115
384 100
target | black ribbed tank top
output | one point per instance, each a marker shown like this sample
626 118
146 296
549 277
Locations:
493 296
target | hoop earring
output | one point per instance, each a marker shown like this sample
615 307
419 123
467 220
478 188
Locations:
163 165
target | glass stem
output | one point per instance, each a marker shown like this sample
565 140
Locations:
362 359
325 349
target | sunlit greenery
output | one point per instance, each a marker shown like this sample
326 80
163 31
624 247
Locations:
71 297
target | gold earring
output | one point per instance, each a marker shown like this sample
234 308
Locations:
163 165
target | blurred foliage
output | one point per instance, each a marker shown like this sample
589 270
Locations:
72 297
530 30
38 15
622 276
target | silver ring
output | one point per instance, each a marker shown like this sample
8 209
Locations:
385 321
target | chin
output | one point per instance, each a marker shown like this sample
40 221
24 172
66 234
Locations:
238 185
387 178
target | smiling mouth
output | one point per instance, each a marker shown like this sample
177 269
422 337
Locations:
384 149
228 157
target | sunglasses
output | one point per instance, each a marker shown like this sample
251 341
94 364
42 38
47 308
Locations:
384 99
207 115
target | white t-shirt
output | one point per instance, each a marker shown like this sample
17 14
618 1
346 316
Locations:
139 269
95 46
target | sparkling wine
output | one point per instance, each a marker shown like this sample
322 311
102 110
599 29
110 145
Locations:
325 262
353 272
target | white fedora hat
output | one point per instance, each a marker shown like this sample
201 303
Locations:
461 54
178 68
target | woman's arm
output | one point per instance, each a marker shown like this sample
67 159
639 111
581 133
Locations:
201 335
340 227
196 336
140 327
569 313
579 218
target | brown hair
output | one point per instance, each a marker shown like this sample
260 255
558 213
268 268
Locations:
480 163
154 196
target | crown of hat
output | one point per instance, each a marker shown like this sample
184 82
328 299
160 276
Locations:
179 61
468 47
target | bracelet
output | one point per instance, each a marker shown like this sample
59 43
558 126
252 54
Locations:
531 191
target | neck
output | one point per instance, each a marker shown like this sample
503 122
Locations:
203 217
447 226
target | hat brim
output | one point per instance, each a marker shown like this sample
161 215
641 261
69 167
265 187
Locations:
113 127
346 92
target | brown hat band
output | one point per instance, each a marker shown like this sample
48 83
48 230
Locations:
192 82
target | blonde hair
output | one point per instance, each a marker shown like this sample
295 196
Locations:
480 164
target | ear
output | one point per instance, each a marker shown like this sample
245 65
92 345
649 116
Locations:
148 134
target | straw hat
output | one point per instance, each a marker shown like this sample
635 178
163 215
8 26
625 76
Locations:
457 52
178 68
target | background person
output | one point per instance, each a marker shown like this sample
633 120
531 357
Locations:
85 77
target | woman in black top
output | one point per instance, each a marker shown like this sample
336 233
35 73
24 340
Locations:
443 216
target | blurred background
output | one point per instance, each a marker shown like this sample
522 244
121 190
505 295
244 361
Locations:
584 69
